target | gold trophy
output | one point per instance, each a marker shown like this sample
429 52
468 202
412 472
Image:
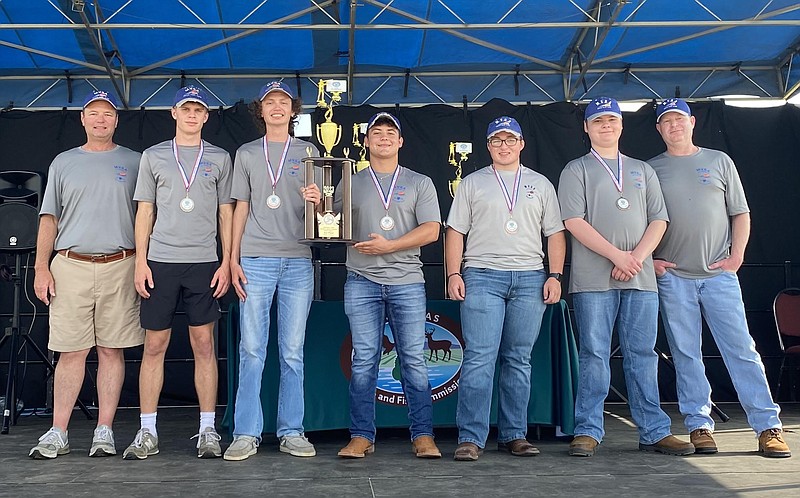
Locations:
329 133
330 226
463 149
362 162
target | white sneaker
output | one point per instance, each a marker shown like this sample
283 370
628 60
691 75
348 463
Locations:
145 444
103 442
54 442
208 443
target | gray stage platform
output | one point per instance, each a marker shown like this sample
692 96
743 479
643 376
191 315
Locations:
618 469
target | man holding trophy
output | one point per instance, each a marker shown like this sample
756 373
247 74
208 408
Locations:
395 212
271 191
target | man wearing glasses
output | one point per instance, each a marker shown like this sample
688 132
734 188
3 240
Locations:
504 208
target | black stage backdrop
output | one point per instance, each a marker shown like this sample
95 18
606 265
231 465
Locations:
762 142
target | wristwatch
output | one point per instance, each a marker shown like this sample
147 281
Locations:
554 275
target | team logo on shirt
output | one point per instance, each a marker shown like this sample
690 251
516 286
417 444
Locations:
637 178
704 176
399 194
443 354
122 173
530 191
294 167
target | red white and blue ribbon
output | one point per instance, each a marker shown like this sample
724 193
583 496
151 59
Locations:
511 199
275 177
187 181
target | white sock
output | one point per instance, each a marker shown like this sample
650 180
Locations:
149 422
207 420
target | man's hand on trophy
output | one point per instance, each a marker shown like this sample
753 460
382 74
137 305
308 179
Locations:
311 193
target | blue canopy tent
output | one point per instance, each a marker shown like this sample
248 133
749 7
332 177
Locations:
397 51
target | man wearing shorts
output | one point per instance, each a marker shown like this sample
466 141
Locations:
97 306
184 186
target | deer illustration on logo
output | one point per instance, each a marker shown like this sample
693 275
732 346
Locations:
436 345
388 345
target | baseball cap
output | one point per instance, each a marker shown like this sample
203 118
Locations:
191 94
384 116
602 106
672 105
275 86
504 123
96 95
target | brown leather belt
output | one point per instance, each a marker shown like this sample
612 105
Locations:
98 258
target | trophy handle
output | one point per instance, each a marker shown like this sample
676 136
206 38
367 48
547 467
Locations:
338 135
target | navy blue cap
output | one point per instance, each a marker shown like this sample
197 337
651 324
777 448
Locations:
504 123
602 106
384 116
275 86
191 94
672 105
96 95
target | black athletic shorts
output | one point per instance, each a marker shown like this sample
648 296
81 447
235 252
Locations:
188 283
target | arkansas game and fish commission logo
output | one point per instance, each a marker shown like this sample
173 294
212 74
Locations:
443 354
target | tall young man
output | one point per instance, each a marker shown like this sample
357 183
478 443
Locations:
613 207
504 210
183 189
266 259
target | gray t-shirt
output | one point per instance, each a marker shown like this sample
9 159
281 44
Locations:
271 232
586 191
414 202
701 192
91 195
480 211
178 236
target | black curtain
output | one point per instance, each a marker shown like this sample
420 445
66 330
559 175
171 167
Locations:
762 142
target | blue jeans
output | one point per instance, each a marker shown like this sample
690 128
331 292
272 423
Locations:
368 305
293 279
635 313
501 315
718 299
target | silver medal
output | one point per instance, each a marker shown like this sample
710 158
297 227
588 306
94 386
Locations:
387 223
511 226
623 203
187 205
273 202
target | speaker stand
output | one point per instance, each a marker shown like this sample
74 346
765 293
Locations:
19 340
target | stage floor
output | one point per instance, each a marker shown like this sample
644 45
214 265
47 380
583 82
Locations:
618 468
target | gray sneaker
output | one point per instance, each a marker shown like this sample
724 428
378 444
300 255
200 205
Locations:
297 445
208 443
52 443
144 445
242 448
103 442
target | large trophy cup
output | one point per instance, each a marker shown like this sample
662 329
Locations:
463 149
326 227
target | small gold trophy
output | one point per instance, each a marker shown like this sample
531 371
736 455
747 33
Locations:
330 226
362 162
463 149
329 133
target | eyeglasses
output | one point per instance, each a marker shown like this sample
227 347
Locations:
498 142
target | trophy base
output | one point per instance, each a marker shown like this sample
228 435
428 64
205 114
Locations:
327 243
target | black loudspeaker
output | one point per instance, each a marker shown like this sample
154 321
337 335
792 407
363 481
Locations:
20 200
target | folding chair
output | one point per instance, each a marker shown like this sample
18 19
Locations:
787 321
